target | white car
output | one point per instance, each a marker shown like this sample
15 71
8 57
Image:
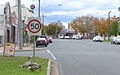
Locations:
113 40
77 37
98 39
117 40
41 41
67 37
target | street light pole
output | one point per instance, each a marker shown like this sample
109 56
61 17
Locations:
119 21
109 25
19 25
39 9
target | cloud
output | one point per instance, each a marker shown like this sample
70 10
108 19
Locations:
70 9
92 11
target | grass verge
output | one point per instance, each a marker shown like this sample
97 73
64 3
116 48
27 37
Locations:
11 66
107 41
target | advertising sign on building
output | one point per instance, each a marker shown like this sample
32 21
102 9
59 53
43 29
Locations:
9 49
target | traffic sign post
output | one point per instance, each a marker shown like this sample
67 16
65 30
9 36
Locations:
34 26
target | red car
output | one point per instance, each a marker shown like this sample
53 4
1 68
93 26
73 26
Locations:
50 39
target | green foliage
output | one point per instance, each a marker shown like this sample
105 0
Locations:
51 29
114 28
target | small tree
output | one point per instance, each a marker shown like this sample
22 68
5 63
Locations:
114 28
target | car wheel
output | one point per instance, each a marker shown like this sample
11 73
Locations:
36 45
45 45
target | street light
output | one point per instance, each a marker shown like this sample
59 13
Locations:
119 21
109 25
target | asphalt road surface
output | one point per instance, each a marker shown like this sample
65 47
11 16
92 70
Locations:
82 57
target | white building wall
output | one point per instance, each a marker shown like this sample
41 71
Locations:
2 26
24 12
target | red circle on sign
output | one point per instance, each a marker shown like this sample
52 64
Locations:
32 6
30 24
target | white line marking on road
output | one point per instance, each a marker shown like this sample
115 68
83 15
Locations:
51 54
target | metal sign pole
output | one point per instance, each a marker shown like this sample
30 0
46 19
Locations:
34 49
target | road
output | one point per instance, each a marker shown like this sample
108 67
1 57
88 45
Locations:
83 57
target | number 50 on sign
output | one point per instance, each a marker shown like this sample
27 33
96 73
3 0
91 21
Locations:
34 26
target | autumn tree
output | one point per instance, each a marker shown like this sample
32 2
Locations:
100 25
83 25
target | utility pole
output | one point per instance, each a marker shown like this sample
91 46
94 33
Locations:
20 38
119 21
42 31
109 25
39 9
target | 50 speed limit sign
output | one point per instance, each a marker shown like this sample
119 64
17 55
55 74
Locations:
34 26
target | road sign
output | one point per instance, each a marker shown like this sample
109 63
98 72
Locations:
34 26
32 6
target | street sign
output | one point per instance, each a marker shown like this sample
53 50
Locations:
34 26
32 6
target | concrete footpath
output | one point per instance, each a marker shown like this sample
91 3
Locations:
23 49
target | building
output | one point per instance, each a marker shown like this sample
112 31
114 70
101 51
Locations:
25 12
2 24
7 29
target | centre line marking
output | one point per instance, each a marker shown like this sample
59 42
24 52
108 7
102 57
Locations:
51 54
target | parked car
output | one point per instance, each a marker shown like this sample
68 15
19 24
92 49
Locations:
113 40
66 37
44 36
117 40
98 39
61 37
77 37
50 39
41 41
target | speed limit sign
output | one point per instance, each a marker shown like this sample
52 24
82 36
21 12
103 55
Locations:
34 26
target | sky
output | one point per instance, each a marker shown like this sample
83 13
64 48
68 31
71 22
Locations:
67 10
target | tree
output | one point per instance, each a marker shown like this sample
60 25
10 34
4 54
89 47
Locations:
83 25
114 28
52 29
100 25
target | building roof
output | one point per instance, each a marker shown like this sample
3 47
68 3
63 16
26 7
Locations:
22 6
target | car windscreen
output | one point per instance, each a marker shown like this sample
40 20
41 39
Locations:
43 37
